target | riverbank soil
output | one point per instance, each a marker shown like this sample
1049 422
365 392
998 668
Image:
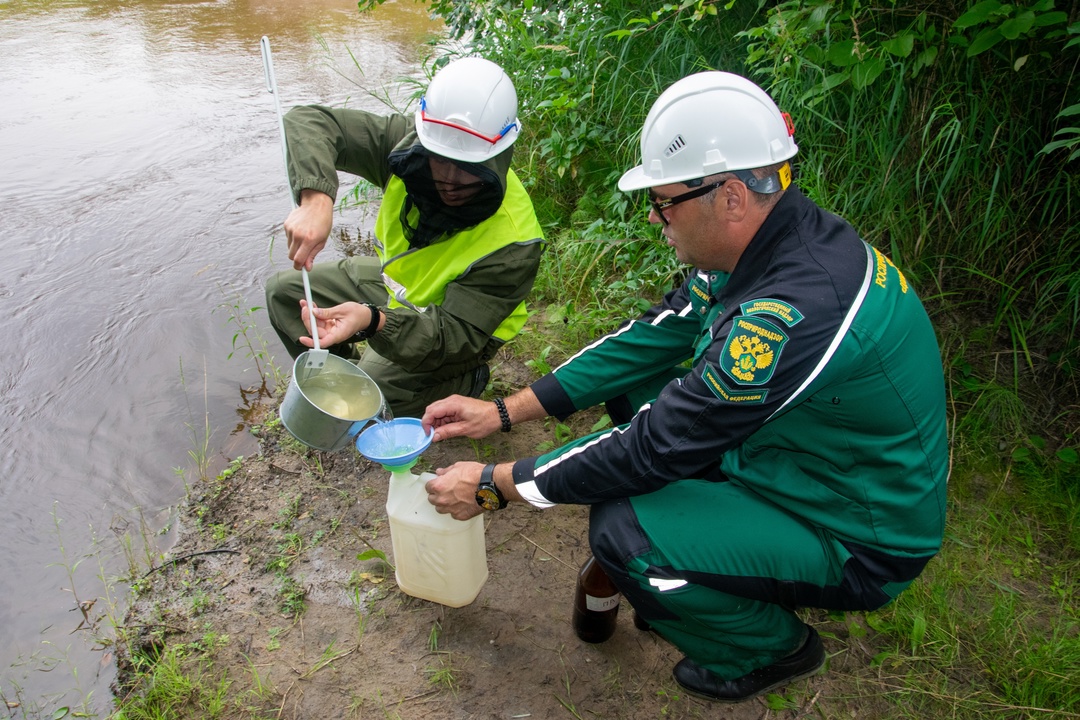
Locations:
292 525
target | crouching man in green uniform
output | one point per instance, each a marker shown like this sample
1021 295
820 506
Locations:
458 244
802 459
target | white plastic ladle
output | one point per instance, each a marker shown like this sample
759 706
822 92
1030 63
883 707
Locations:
314 359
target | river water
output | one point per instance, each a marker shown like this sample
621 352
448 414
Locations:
141 184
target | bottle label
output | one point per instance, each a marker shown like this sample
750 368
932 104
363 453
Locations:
601 604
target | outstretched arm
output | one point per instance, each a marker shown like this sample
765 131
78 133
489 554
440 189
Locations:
336 324
458 416
453 490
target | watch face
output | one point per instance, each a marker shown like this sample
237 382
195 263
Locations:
487 499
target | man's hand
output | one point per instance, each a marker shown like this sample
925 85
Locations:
453 490
458 415
336 324
308 226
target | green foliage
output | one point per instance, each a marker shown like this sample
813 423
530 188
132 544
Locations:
373 554
938 130
1071 139
991 22
181 682
248 337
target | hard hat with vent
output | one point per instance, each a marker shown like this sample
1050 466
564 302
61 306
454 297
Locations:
708 123
469 112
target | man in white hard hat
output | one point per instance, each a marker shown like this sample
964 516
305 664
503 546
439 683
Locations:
800 462
457 241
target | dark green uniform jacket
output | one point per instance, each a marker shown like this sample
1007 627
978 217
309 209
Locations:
816 383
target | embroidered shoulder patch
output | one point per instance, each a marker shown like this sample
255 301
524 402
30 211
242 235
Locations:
721 390
752 350
779 309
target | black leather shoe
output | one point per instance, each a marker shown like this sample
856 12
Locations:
480 381
804 662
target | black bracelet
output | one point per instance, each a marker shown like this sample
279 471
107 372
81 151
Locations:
373 326
504 415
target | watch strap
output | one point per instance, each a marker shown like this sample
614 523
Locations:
373 326
487 488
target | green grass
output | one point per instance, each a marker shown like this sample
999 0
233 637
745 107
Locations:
184 682
991 626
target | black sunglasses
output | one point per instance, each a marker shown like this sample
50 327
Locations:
661 205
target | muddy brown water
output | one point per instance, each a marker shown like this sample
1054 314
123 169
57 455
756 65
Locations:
141 184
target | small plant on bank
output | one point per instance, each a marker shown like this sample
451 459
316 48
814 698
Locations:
329 656
199 432
136 564
291 596
183 677
289 513
248 338
443 675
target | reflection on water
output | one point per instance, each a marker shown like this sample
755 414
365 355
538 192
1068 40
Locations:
140 192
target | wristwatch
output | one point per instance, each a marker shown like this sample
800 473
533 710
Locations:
487 494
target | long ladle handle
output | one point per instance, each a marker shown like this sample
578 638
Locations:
311 308
271 87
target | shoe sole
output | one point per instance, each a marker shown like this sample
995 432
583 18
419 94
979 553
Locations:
762 691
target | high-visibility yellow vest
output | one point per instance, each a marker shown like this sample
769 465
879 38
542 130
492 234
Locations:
417 277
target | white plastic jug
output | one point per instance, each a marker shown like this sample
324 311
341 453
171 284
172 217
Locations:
437 558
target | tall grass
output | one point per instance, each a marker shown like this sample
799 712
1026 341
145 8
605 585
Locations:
931 150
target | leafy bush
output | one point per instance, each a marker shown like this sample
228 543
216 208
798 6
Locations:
937 129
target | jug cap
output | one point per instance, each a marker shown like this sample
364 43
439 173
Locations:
394 444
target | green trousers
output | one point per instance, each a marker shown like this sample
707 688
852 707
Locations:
718 570
715 570
356 279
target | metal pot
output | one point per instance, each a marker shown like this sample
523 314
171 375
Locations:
322 405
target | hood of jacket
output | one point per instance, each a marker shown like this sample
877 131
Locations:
424 217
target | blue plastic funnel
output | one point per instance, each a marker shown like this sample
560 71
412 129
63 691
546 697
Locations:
394 443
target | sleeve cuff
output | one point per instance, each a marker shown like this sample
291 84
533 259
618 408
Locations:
525 483
552 397
313 183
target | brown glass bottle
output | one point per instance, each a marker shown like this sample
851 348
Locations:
596 603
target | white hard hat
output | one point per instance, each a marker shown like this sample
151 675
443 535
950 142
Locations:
469 112
708 123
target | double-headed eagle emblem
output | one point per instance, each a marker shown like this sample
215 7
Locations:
750 354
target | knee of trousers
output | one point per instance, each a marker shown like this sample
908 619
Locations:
617 541
280 286
275 292
614 534
283 290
